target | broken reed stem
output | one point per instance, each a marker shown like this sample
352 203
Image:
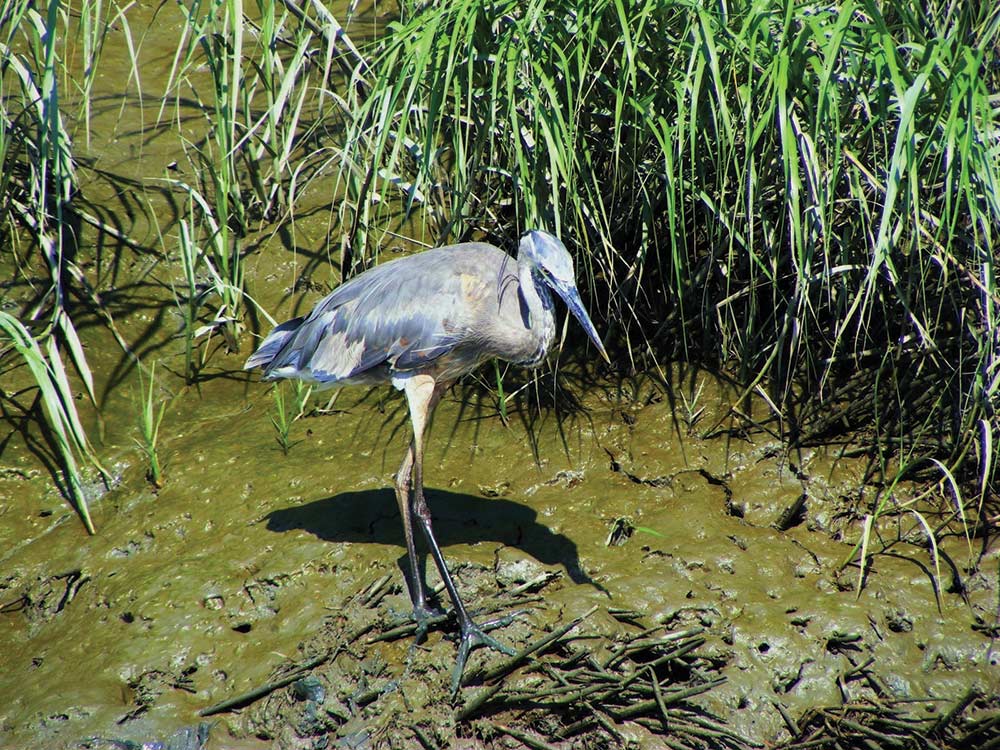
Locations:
524 738
239 701
679 650
515 661
251 696
638 708
422 737
972 694
655 681
884 740
477 702
538 582
790 723
668 699
600 715
510 665
407 629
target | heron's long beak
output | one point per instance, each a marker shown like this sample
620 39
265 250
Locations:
572 299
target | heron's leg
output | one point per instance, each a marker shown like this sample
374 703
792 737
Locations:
422 395
414 581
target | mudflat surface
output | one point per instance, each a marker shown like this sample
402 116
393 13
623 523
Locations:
249 566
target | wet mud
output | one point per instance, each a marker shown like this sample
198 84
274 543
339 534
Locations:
703 579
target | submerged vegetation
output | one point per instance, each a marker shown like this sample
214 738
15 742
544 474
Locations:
803 195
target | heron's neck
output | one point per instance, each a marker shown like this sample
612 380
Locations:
538 301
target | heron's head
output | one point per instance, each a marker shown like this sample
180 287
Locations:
549 256
551 260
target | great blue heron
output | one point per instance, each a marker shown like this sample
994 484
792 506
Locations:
422 322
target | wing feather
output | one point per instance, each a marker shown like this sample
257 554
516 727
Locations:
401 315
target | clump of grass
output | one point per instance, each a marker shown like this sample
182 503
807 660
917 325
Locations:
251 156
58 404
150 418
692 407
216 28
37 189
282 419
206 273
803 193
287 412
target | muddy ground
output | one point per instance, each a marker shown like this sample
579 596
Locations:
710 615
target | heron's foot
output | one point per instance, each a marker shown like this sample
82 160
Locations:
425 616
474 636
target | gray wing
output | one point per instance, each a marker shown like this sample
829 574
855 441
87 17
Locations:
402 314
273 344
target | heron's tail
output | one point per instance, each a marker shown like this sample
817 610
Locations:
273 344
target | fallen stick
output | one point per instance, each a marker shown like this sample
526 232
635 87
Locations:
239 701
244 699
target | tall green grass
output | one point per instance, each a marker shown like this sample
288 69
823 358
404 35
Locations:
807 194
253 74
262 76
806 187
215 28
36 192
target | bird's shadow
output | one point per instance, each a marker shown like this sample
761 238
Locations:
373 516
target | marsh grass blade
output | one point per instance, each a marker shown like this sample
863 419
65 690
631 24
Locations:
150 418
59 407
38 188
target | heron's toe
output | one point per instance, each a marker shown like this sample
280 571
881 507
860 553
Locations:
478 637
499 622
474 636
426 617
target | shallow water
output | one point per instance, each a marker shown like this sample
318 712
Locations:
196 592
